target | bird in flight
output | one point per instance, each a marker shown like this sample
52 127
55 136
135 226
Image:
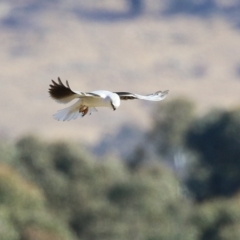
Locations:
88 101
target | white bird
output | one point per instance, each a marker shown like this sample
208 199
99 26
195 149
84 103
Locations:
88 101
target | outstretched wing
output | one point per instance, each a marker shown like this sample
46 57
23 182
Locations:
157 96
60 92
64 94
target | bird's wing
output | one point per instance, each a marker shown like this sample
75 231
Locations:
157 96
64 94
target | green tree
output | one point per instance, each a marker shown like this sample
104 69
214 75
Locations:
216 140
152 204
103 199
218 219
23 211
166 139
171 122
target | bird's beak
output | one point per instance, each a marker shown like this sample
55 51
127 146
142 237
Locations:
113 107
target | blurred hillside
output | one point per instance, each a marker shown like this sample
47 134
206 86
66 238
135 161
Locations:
189 47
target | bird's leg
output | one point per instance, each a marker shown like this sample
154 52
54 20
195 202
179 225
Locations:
83 110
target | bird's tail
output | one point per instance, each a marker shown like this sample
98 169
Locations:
74 111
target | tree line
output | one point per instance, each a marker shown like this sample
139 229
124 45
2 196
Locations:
58 190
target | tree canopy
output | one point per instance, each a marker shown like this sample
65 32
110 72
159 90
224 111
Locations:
59 190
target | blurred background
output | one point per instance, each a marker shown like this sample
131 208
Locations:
149 171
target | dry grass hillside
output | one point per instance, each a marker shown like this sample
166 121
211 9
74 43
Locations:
192 56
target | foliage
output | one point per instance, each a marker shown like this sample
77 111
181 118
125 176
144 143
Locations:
58 190
204 151
60 184
23 211
218 219
171 121
166 138
211 150
216 140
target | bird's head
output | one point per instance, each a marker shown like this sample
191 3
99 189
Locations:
115 102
